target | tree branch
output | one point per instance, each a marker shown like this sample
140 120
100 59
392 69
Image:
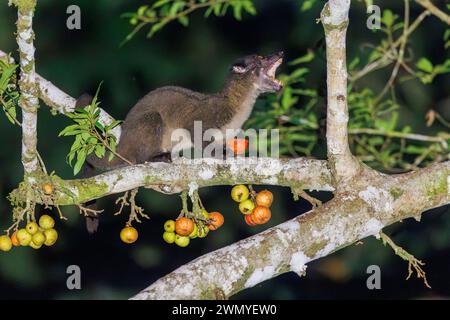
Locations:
63 103
299 173
172 178
402 135
389 55
28 101
374 203
334 18
365 201
427 4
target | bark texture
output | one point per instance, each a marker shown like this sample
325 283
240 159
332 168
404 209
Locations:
365 201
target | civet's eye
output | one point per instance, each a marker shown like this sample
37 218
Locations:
237 68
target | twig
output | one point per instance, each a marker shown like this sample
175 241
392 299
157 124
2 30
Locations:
313 201
15 225
433 115
401 53
195 202
88 212
388 57
136 211
396 134
61 216
106 144
3 102
435 10
184 203
191 6
41 161
413 263
123 202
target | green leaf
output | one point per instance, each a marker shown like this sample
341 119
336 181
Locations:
224 8
412 149
376 141
308 57
307 4
354 63
442 68
99 126
114 124
249 7
141 10
208 12
100 151
425 65
217 8
155 28
11 113
76 144
447 34
302 137
392 122
85 136
160 3
426 78
7 72
237 12
375 55
388 18
68 129
305 92
287 100
70 157
91 140
164 11
97 112
10 118
297 74
81 157
95 98
184 20
177 6
112 145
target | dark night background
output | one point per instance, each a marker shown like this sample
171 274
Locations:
197 57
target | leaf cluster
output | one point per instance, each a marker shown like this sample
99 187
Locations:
161 12
91 136
9 93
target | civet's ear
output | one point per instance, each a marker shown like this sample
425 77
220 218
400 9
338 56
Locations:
239 69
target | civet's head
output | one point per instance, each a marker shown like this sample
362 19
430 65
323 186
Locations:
259 71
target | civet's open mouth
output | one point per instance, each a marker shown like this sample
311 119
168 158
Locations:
272 70
273 62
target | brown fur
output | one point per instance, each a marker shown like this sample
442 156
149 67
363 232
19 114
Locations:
148 126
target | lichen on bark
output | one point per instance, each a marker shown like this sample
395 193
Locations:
24 5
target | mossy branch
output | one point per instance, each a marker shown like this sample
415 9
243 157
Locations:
28 100
290 246
177 176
